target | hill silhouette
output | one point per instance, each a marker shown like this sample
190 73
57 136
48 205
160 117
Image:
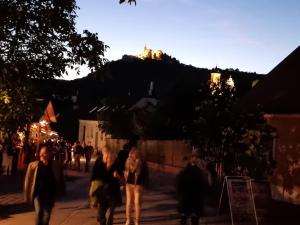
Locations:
129 76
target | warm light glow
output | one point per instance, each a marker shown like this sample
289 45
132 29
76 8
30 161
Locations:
230 82
150 54
53 133
34 126
254 82
5 97
43 123
21 135
215 78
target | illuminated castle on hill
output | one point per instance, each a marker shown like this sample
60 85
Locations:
150 54
215 78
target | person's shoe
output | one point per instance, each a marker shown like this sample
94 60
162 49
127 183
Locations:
183 220
127 222
194 220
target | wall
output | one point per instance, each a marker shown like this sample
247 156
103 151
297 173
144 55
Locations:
285 183
90 133
166 156
169 153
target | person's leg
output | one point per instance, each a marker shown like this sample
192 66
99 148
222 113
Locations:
47 212
182 210
78 162
4 163
102 208
194 219
10 164
183 219
138 189
110 215
87 161
38 207
129 198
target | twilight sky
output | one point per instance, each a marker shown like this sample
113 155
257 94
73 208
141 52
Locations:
251 35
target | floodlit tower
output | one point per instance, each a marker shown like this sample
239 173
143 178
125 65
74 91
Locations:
230 82
215 77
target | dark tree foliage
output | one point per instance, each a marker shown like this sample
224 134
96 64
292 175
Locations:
129 1
152 124
176 86
38 39
15 106
117 123
223 134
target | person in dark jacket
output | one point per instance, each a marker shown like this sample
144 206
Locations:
78 152
42 181
105 185
88 152
121 158
191 189
120 163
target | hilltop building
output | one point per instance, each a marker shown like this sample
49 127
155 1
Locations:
215 78
150 54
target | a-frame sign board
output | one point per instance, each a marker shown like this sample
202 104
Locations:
241 201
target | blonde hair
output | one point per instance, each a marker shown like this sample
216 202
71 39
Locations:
131 163
108 156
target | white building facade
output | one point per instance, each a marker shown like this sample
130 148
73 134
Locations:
89 132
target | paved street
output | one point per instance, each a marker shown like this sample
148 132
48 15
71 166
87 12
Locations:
159 205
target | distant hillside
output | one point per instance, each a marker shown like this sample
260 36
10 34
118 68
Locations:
129 76
133 77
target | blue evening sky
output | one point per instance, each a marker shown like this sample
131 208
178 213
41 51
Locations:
251 35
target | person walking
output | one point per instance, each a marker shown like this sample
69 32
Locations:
68 153
191 188
88 152
41 185
78 152
8 153
1 155
105 189
121 158
120 163
136 177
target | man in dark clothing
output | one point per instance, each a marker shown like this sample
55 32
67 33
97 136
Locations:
78 152
191 189
121 159
42 181
88 151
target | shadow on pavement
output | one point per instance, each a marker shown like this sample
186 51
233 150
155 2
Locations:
12 184
161 207
151 219
283 213
168 217
7 210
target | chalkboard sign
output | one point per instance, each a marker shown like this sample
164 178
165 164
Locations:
241 202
